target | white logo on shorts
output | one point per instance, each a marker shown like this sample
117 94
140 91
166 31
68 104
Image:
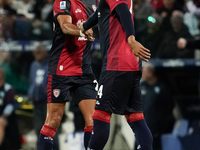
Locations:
138 147
56 92
48 138
97 102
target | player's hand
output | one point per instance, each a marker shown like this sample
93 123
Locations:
138 50
89 35
81 26
181 43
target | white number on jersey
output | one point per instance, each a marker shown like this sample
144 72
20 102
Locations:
96 87
100 91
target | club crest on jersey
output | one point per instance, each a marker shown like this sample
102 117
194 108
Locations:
56 92
82 39
62 5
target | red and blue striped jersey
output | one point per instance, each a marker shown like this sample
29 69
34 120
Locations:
116 52
70 55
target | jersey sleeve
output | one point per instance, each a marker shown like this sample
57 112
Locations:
125 19
113 3
92 21
61 8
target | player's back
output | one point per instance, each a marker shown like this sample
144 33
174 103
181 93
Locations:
117 54
70 55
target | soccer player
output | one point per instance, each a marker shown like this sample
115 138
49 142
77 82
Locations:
119 84
69 71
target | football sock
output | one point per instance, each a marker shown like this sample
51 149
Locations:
46 138
143 135
101 130
87 135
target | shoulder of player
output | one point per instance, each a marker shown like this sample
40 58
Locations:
61 7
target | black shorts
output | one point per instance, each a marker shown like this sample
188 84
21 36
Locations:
61 89
119 92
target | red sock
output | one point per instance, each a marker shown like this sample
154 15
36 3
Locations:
46 138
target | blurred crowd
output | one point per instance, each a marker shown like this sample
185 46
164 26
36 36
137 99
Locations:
26 19
23 20
160 23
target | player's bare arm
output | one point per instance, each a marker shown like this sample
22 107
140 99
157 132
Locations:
67 27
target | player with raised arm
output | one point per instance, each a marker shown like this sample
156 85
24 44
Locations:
119 84
69 71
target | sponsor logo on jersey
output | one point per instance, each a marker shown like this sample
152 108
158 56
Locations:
56 92
62 5
82 39
77 10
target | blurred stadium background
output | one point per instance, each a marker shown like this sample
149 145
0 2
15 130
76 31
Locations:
25 24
